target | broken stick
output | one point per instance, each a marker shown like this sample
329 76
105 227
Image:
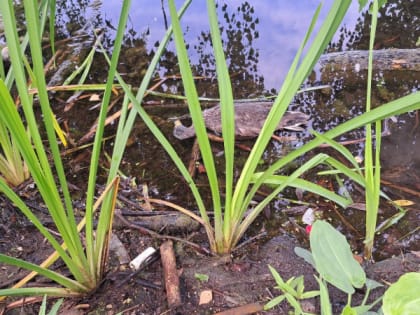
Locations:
170 274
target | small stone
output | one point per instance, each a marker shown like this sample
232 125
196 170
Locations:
308 306
206 297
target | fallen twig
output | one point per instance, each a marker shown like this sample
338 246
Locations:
146 231
170 274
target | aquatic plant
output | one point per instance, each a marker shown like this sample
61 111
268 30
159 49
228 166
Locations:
369 176
12 165
85 263
234 214
372 166
334 262
13 168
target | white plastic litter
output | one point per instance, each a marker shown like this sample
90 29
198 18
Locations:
141 258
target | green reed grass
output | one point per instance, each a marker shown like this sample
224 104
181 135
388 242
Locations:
86 265
230 224
12 166
234 214
370 178
372 163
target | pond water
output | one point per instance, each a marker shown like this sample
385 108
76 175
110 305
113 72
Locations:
274 30
261 39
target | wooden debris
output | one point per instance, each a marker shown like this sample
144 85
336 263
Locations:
195 156
384 59
243 310
170 274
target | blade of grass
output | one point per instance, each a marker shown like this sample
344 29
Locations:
372 168
307 186
223 225
54 256
73 267
406 103
63 214
121 139
196 114
341 149
52 11
292 83
252 215
402 105
94 249
72 285
50 291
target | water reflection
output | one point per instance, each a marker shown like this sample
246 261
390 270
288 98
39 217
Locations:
269 32
260 40
398 27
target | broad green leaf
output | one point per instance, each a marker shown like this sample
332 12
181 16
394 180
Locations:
348 310
403 297
333 258
364 309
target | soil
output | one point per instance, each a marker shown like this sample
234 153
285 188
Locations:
241 280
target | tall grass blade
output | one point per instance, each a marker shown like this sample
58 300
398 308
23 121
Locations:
86 269
196 116
228 128
372 165
292 84
62 214
95 248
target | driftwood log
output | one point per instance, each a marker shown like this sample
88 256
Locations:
385 60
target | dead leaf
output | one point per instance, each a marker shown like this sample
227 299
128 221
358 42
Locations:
94 98
402 202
